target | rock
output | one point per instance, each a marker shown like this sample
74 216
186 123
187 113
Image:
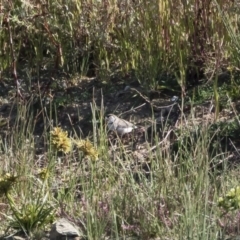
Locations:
18 238
13 237
63 229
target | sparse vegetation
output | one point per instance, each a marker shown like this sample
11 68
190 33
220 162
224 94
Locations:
63 64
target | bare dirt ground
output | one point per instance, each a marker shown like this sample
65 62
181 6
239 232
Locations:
71 103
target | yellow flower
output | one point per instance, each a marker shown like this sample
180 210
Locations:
231 201
43 173
231 193
230 68
87 148
220 200
60 140
6 182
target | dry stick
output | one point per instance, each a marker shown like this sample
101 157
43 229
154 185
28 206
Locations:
154 147
148 101
234 146
131 110
57 44
18 92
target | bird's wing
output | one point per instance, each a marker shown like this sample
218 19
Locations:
127 124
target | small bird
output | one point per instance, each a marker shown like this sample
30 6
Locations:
119 125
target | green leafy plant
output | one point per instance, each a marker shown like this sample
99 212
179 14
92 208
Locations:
29 216
32 216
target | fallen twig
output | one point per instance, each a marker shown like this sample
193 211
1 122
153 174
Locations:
131 110
154 147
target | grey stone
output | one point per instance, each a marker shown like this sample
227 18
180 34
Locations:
63 229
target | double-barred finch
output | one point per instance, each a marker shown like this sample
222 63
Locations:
119 125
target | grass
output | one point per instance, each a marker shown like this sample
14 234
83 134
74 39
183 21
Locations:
111 190
113 195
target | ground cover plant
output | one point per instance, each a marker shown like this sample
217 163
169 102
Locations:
65 64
